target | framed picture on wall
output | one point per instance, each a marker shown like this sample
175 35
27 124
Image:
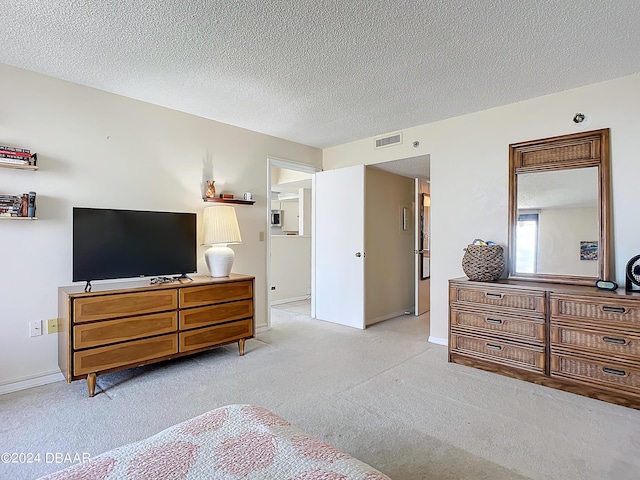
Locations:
588 250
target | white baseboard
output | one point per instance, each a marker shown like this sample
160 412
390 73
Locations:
289 300
438 341
30 382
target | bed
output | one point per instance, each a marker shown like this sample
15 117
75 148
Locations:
231 442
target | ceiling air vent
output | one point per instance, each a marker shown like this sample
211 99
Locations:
394 139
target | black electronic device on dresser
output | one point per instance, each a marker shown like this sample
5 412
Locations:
110 244
632 274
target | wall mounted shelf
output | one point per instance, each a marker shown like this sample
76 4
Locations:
17 165
4 217
230 200
33 160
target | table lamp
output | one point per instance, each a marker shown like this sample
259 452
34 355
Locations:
220 228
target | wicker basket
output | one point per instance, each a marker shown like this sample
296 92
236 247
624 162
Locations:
483 263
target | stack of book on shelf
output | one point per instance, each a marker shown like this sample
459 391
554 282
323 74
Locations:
17 156
18 205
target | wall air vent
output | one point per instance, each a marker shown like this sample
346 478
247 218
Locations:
393 139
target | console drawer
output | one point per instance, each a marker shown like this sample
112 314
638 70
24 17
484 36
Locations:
216 335
596 372
602 342
529 357
223 312
532 329
223 292
128 353
612 312
113 331
101 307
531 301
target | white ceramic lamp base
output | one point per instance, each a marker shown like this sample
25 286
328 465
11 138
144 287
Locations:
219 260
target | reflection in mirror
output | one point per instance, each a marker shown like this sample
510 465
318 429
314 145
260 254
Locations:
557 227
425 248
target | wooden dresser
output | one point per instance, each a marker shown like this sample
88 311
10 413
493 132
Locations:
575 338
124 325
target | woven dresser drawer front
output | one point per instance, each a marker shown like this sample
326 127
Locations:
529 357
488 323
598 372
525 300
596 341
605 311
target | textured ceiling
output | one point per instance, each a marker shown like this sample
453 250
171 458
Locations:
324 72
414 167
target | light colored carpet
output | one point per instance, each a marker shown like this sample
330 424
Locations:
384 395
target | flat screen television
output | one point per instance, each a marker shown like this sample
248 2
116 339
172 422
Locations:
110 244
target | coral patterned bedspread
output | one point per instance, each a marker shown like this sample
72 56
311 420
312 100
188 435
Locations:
232 442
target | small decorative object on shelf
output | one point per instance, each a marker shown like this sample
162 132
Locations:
210 191
226 196
14 157
483 261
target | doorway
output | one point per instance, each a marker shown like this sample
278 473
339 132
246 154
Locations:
367 232
290 191
419 169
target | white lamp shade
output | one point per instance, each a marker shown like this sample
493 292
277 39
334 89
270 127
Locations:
220 226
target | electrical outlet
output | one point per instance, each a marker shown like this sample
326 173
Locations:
273 288
35 328
308 291
261 236
52 325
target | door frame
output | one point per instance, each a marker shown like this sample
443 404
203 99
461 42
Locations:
299 167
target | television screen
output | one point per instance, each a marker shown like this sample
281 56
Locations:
129 243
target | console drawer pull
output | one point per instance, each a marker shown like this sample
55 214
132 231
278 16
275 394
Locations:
493 295
614 371
494 321
493 347
619 341
614 309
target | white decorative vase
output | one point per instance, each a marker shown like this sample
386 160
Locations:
219 259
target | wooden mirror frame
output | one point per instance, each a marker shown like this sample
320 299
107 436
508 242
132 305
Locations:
578 150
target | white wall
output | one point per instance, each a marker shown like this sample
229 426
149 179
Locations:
102 150
389 264
304 212
560 231
290 267
469 171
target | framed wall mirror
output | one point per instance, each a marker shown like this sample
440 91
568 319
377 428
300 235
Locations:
559 200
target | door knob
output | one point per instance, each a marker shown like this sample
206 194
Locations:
358 254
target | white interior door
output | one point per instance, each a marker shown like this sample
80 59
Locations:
340 246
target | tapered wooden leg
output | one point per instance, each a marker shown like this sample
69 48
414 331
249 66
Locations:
241 346
91 384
